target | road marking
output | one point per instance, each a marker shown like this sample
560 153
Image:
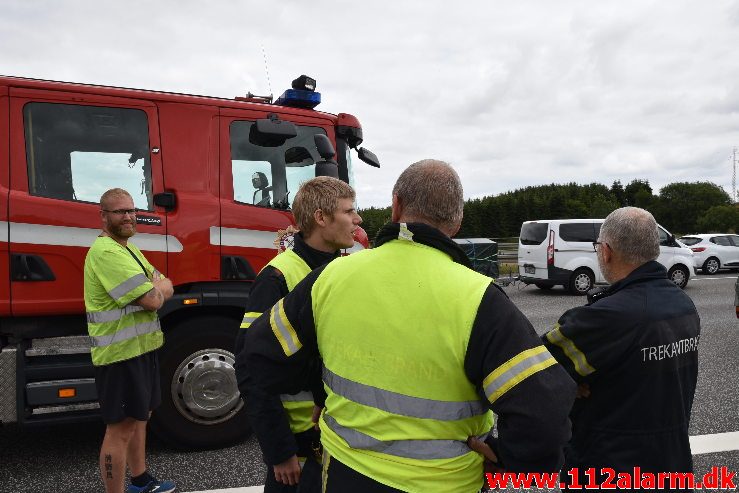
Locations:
711 278
699 444
718 442
249 489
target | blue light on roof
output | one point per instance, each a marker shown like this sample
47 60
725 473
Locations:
299 98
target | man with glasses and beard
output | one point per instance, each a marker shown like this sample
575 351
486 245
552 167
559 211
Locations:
123 292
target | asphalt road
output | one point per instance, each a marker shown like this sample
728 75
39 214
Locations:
64 458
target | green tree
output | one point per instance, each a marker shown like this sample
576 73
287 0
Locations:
683 203
719 219
373 219
638 193
601 207
618 193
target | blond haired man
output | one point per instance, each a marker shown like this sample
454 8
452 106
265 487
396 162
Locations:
324 212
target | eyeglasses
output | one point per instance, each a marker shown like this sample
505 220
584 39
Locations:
122 212
596 243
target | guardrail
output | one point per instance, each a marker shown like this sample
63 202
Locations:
507 251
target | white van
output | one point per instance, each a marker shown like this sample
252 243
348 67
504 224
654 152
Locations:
560 252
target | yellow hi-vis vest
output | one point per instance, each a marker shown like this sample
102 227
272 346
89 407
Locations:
299 407
113 279
393 324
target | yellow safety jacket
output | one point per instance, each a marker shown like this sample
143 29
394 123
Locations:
298 407
113 279
399 402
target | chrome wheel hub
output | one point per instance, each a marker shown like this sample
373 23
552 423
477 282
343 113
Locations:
204 387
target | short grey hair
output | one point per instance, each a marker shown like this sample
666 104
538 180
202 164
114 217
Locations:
431 191
631 232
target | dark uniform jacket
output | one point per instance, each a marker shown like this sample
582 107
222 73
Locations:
265 411
532 416
636 348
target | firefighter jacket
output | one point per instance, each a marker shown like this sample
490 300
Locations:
636 349
416 349
115 276
276 418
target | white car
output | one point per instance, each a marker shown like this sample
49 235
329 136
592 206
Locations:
715 251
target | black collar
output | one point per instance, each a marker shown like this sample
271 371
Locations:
314 258
647 271
424 234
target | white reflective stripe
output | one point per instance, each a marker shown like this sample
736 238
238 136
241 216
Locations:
157 243
523 366
4 225
356 248
411 449
128 285
112 315
579 361
303 396
238 237
46 234
125 334
283 330
401 404
249 318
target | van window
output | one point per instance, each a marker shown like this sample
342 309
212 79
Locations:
534 233
76 152
270 176
664 238
583 232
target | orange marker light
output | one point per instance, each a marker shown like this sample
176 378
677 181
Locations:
66 393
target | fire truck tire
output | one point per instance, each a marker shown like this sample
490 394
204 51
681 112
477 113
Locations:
201 407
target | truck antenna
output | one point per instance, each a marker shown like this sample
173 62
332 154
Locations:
266 69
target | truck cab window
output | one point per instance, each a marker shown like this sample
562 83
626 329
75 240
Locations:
76 152
269 176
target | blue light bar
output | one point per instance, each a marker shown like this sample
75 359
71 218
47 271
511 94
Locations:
299 98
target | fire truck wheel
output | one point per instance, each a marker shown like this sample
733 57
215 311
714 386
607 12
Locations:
201 407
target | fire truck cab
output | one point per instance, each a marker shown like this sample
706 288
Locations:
213 180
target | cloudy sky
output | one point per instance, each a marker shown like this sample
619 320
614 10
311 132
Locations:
512 93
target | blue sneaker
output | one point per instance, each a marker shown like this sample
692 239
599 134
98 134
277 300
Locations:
154 486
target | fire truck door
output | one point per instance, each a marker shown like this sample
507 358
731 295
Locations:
4 174
259 179
65 151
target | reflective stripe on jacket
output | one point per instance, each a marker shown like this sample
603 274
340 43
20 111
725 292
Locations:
298 407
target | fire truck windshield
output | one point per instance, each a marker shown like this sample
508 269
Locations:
270 176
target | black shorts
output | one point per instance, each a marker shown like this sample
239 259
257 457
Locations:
129 389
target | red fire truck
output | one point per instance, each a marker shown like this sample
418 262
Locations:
213 180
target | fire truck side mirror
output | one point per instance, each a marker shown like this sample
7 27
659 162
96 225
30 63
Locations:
326 167
368 157
324 146
271 132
